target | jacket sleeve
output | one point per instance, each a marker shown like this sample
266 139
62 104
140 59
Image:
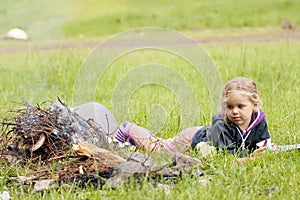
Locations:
262 135
217 135
199 136
222 137
263 129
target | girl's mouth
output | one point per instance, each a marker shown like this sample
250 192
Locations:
236 118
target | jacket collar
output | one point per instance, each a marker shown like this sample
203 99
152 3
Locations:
256 119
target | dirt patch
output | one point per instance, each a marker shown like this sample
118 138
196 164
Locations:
274 37
290 35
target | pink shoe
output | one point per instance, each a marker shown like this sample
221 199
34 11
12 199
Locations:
122 135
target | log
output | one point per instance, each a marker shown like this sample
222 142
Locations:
100 154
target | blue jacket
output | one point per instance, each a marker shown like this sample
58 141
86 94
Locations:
226 136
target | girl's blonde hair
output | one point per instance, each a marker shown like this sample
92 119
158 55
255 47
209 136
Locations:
241 84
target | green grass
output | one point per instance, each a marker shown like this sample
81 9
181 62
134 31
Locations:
98 18
37 76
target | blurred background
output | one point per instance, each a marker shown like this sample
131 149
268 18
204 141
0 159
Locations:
79 19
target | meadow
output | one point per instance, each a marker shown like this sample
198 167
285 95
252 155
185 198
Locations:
36 75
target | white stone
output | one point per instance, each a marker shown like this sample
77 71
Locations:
5 195
17 34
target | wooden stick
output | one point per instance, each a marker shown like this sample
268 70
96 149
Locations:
287 147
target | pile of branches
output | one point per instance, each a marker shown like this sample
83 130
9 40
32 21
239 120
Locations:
46 133
34 134
41 135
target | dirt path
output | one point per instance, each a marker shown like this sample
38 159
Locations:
258 38
274 37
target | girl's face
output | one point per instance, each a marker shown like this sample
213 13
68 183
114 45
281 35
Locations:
239 109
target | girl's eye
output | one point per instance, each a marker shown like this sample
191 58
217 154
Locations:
229 106
241 106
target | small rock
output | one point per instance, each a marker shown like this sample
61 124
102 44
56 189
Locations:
287 25
5 195
17 34
43 185
272 189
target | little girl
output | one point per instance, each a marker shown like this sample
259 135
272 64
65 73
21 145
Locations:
240 128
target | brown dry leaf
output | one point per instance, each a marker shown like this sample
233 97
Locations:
39 143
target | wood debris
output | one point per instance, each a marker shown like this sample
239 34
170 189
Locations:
61 146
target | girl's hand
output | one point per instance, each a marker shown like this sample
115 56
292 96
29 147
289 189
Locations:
241 160
262 149
253 156
256 153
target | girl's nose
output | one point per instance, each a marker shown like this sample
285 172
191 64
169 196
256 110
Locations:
235 111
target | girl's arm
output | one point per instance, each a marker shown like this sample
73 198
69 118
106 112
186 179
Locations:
220 135
256 154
